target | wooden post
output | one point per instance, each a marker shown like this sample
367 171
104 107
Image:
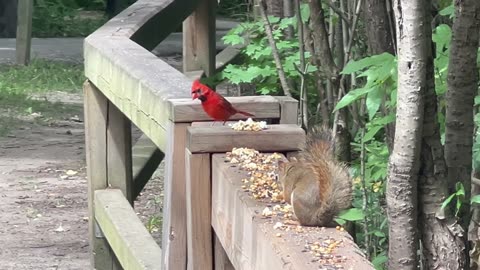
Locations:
119 155
199 210
96 121
288 110
222 262
199 48
174 243
24 31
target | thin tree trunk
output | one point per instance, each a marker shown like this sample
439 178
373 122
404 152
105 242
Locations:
323 52
462 81
401 193
275 8
437 229
379 40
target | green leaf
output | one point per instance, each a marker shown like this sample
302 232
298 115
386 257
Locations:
379 234
371 133
354 66
233 39
460 189
340 221
442 37
305 12
352 96
477 100
448 11
475 199
374 100
352 214
447 201
378 261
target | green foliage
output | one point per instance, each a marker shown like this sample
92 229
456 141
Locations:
459 197
380 72
258 66
377 155
352 214
448 11
64 18
154 223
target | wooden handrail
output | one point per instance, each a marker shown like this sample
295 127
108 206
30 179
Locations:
130 76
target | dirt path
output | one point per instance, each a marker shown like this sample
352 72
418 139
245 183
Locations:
43 223
43 199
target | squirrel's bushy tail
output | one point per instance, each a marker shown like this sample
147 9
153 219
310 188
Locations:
334 181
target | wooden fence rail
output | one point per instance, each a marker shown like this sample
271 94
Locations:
128 84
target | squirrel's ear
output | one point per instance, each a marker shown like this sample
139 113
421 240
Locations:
281 164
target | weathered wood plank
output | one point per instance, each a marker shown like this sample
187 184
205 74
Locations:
174 207
188 110
199 230
288 110
226 56
250 240
199 46
96 110
119 152
135 81
222 262
24 31
128 237
145 159
202 139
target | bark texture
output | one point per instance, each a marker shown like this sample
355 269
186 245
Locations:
380 40
323 53
275 8
437 229
379 37
462 81
404 161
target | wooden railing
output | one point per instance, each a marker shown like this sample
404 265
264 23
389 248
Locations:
128 84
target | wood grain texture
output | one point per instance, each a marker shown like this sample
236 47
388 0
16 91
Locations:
222 262
216 139
96 110
199 230
199 38
188 110
119 152
250 240
126 234
24 31
288 110
135 80
174 244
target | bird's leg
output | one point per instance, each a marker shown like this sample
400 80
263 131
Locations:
224 122
213 123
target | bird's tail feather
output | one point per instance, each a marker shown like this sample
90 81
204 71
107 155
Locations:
245 113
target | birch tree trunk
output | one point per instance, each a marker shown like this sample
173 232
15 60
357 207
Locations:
404 162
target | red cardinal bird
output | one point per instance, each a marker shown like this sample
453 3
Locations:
213 103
